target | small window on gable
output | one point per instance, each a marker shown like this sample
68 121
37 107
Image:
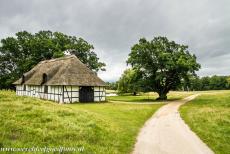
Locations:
46 89
44 78
23 79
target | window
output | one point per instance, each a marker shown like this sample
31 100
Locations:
44 78
46 89
24 87
23 79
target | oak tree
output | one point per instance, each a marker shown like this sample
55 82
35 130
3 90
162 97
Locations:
162 63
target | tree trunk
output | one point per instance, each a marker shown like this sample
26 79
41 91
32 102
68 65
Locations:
162 96
134 93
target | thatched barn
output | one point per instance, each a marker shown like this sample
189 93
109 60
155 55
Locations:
64 80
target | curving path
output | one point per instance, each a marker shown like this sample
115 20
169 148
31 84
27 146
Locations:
166 133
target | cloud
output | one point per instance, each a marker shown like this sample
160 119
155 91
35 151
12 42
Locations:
114 26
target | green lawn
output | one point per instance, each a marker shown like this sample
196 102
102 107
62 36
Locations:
98 127
149 97
209 117
111 91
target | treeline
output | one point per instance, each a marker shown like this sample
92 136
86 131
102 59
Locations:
207 83
125 84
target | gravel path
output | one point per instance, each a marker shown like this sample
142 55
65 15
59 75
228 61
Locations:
166 133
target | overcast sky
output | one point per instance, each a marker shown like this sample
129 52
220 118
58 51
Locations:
113 26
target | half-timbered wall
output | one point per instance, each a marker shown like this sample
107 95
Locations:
65 94
71 94
99 94
55 93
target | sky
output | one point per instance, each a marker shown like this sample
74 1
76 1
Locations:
114 26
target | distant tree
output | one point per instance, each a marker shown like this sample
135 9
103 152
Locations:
195 83
129 83
218 82
205 83
112 85
187 83
162 64
19 54
209 83
228 80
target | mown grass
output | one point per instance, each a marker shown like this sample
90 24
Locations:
98 127
209 117
149 97
111 91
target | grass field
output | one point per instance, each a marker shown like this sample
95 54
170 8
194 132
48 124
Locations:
108 91
149 97
209 117
98 127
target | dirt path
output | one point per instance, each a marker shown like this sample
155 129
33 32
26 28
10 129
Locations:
166 133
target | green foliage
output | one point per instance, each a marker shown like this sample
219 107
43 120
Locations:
207 83
20 53
129 82
112 85
209 117
98 127
162 64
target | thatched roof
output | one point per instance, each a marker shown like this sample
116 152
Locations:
67 70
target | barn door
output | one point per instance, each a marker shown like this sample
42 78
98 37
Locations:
86 94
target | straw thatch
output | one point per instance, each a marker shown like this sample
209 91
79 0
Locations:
67 70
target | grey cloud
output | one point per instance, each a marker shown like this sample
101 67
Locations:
114 26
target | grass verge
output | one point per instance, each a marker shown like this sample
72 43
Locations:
149 97
209 117
98 127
